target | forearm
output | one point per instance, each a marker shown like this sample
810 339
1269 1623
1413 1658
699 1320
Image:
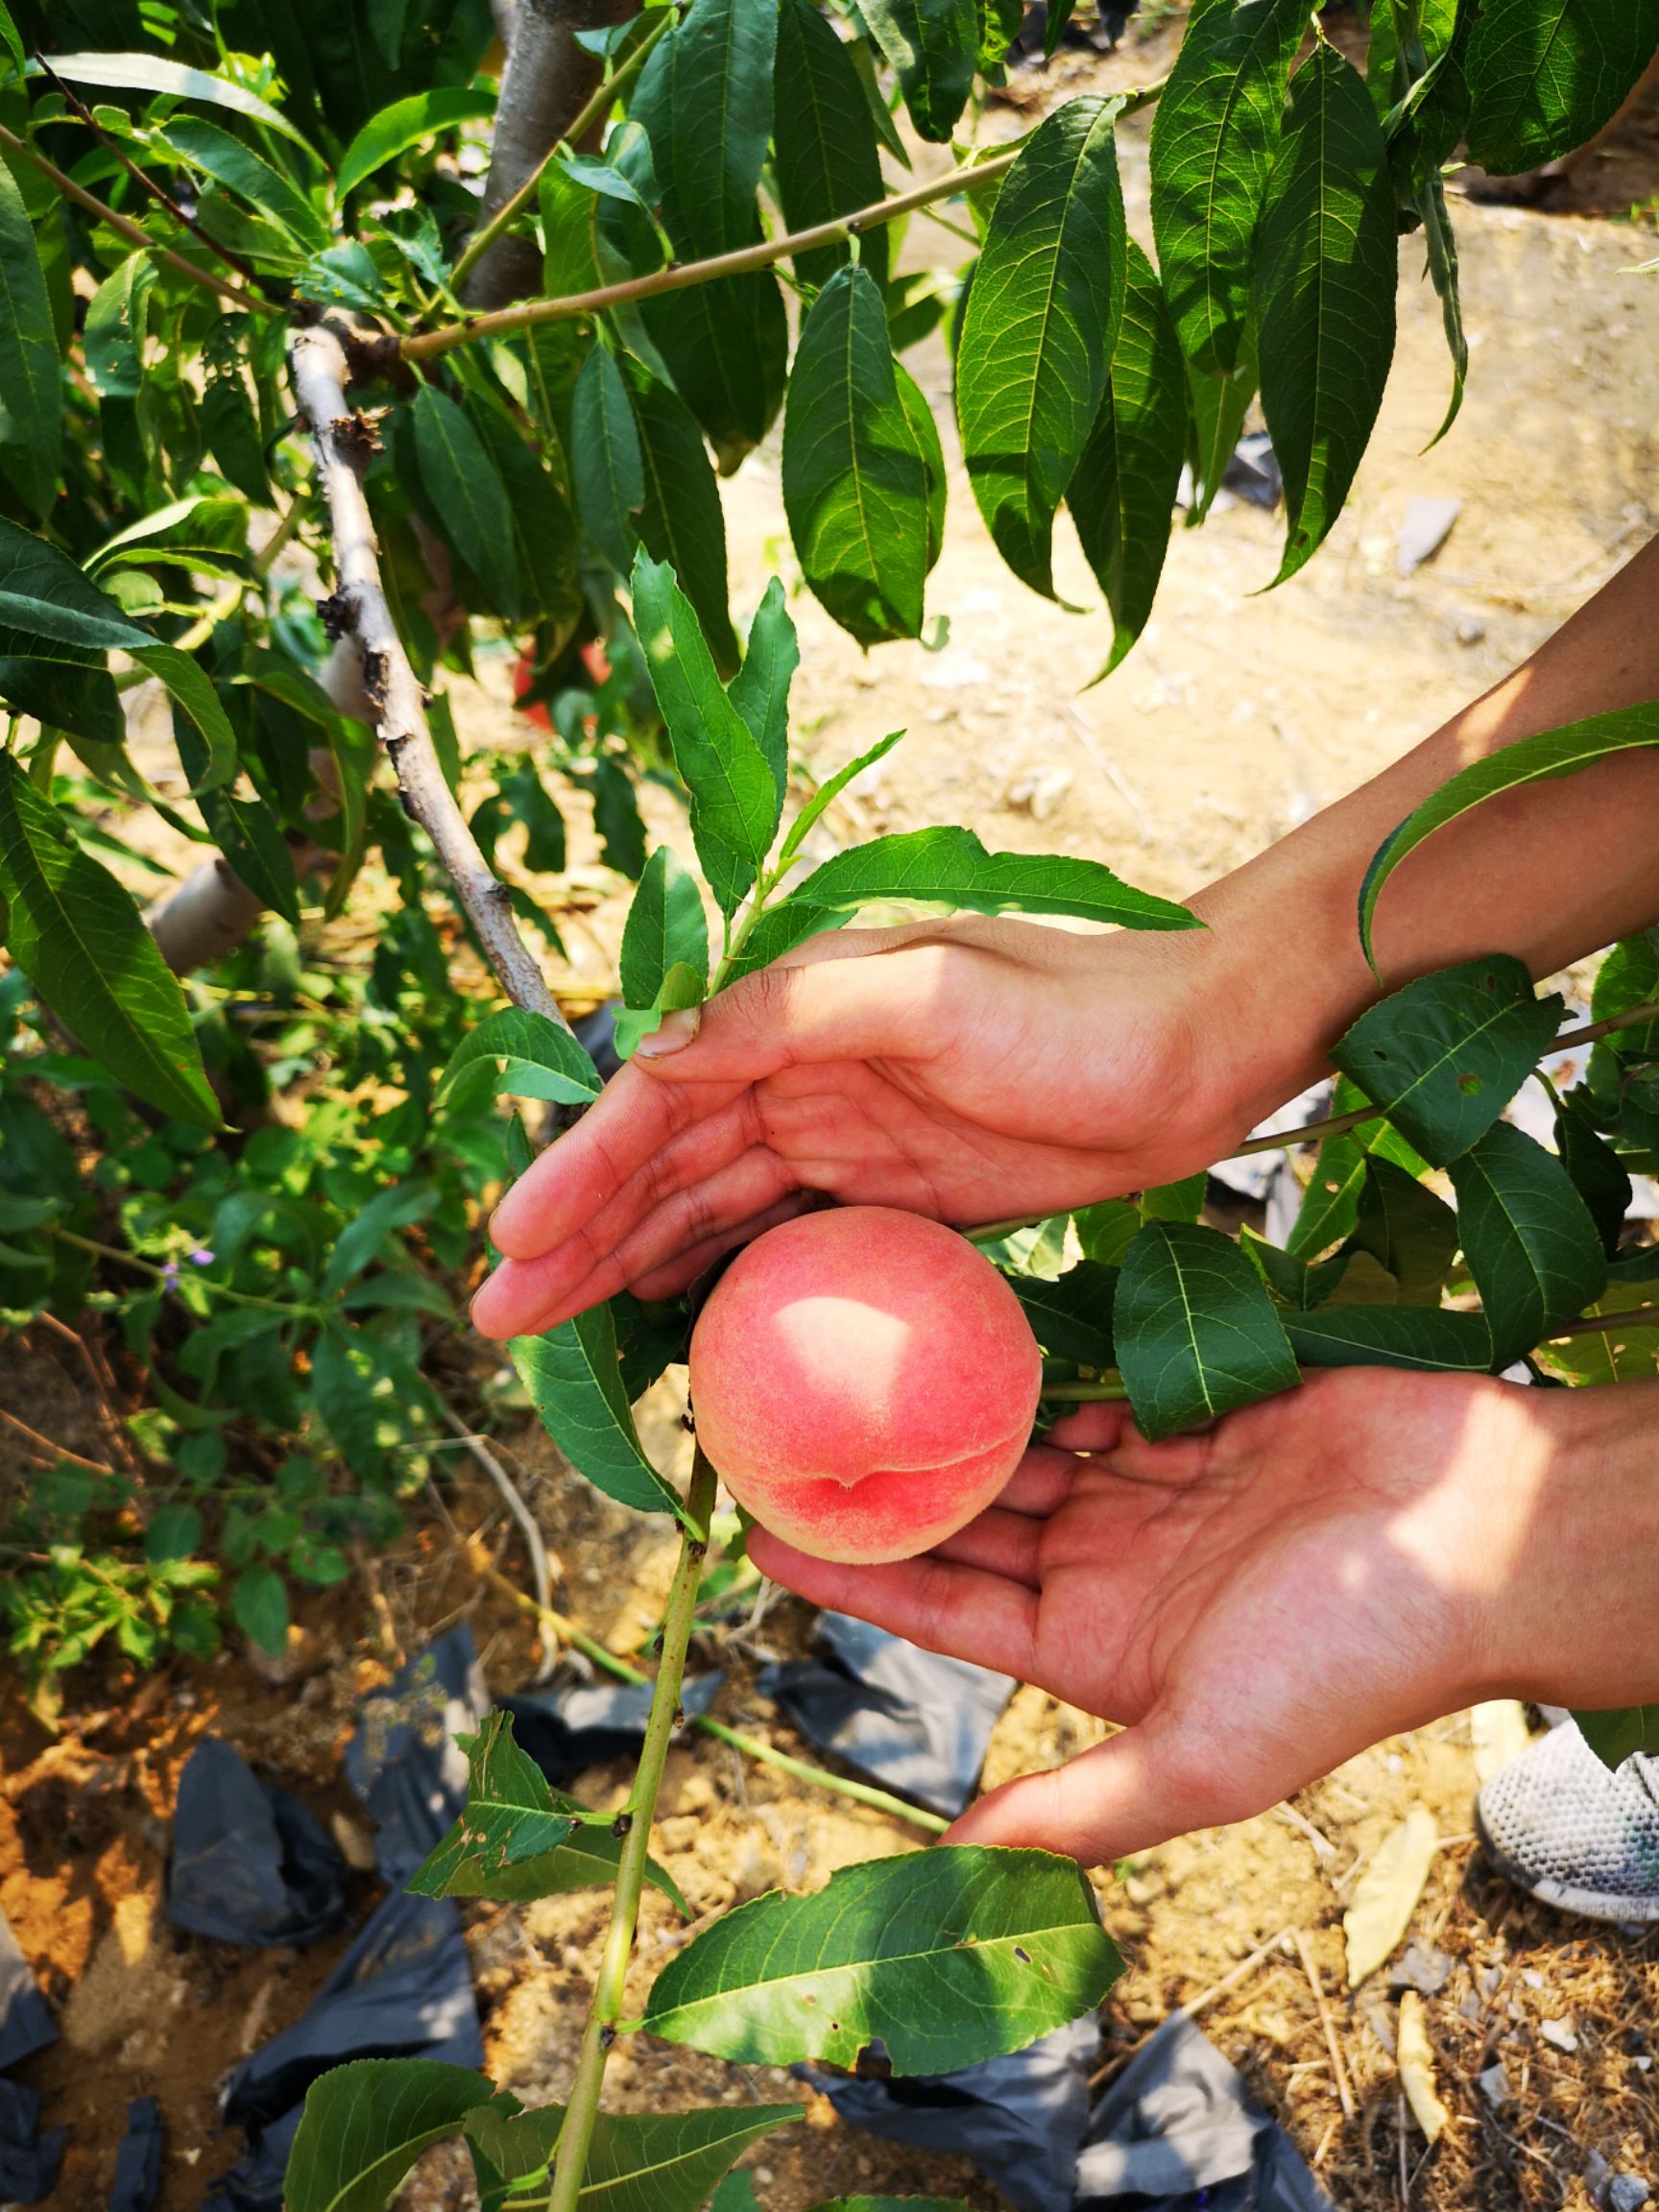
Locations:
1548 874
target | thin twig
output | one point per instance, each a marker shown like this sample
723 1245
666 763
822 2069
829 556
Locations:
54 1451
134 233
1310 1967
144 181
596 106
1606 1324
318 367
426 345
1205 1998
540 1571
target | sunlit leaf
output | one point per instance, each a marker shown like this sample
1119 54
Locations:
575 1385
1531 1245
366 2123
1197 1332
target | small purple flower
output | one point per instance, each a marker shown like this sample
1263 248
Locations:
170 1275
201 1257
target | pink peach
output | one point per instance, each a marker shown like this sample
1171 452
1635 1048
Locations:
864 1380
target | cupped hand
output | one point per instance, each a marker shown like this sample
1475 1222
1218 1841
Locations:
971 1070
1256 1603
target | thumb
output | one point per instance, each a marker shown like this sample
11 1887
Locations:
1151 1782
794 1011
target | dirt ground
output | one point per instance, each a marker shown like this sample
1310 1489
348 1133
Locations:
1233 719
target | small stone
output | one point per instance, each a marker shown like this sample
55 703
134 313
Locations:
1470 632
353 1842
1627 2193
1495 2084
1560 2035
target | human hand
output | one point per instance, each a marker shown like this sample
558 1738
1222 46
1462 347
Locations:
969 1071
1257 1603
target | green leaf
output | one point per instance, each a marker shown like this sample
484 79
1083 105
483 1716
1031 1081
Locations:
397 1207
405 124
1217 406
1595 1168
605 461
1326 268
1430 1339
543 527
1039 328
1529 1238
461 480
1444 1056
1623 1350
228 422
150 73
637 2161
949 867
175 1533
1546 75
735 800
259 1603
1538 759
77 937
511 1816
682 521
932 47
1406 1230
221 156
1296 1282
1214 138
31 382
1441 245
365 2124
760 688
827 159
516 1033
946 1957
569 235
1618 1735
725 342
665 928
827 793
1198 1333
575 1385
1071 1316
859 472
1122 495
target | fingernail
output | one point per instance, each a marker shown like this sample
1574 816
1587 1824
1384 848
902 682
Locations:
675 1032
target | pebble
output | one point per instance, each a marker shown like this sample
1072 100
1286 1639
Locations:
1627 2193
1560 2033
1495 2084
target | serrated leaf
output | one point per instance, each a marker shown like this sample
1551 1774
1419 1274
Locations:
1071 1317
511 1816
77 937
1296 1281
605 459
827 159
1039 328
760 688
735 800
1440 245
1197 1332
828 792
860 470
1620 1733
1546 75
932 47
461 480
665 928
1122 496
1444 1056
569 235
1217 408
725 342
946 1957
1432 1339
365 2122
1326 275
1538 759
151 73
1387 1891
637 2161
517 1033
575 1384
1406 1230
1214 139
405 123
948 867
1527 1237
682 521
31 382
221 156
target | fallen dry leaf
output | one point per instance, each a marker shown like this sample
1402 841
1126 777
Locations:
1498 1733
1387 1893
1415 2058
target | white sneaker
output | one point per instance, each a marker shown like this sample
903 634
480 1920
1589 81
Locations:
1560 1826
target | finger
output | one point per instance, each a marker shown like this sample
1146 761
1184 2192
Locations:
1092 1428
1149 1783
962 1611
682 1271
620 1134
997 1543
1041 1482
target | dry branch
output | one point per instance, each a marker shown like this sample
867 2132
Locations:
318 367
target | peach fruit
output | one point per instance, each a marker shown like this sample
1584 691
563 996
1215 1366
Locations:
864 1380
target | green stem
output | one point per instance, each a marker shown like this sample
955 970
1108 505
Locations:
428 344
581 2108
160 1275
1086 1393
600 102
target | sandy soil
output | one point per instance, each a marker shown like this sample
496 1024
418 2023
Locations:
1233 719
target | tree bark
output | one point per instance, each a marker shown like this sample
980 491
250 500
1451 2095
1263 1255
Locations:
546 83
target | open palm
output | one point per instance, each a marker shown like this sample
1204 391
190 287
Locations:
1256 1603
